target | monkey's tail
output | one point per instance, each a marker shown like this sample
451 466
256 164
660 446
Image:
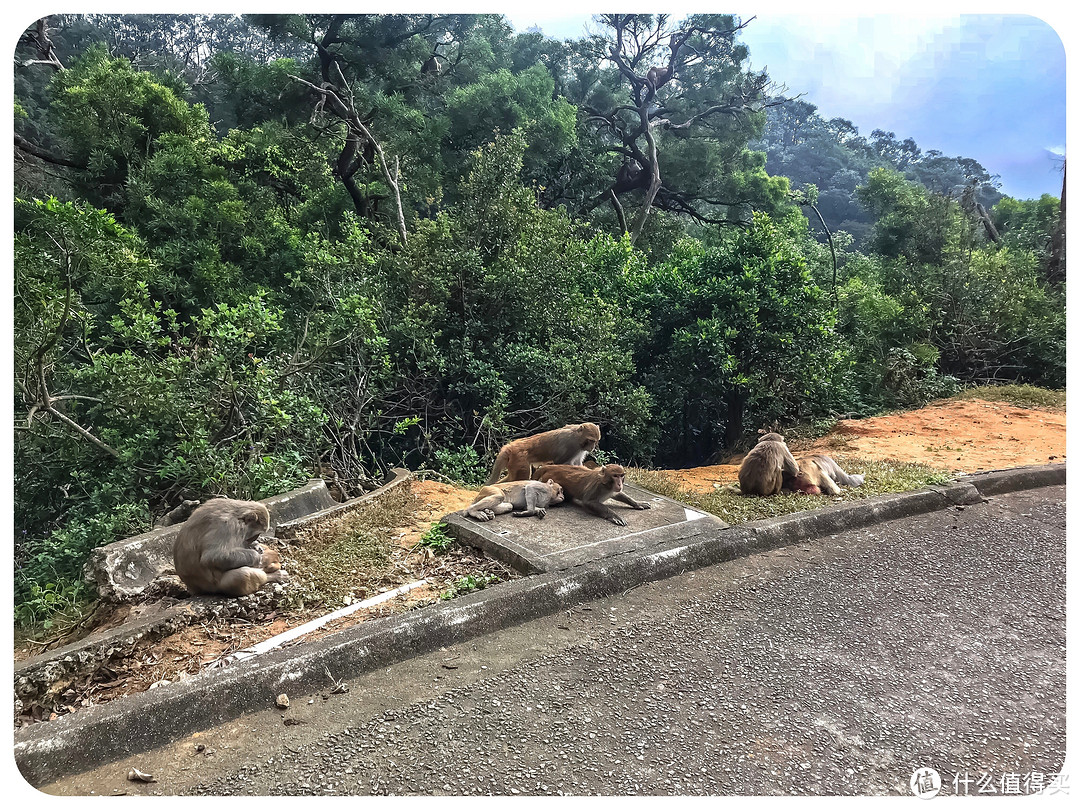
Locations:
501 463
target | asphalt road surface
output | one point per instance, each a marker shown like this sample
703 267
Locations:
837 666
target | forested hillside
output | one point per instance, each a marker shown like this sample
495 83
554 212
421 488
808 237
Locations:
250 250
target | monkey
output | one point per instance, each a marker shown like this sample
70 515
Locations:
520 498
590 488
217 550
800 483
657 77
565 445
762 470
270 560
821 474
432 66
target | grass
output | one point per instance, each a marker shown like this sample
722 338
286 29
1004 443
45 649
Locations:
353 560
881 477
1023 396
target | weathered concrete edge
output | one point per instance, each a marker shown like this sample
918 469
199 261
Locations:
48 751
85 655
505 551
287 529
1018 478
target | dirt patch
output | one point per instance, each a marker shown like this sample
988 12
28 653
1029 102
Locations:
958 436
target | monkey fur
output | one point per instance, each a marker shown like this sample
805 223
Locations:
520 498
217 550
819 474
590 488
565 445
763 469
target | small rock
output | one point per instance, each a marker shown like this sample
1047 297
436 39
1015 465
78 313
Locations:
135 775
283 701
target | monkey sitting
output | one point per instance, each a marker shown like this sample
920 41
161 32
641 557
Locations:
590 488
565 445
763 469
520 498
819 474
217 550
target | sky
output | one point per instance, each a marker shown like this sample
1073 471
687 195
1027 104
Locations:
987 86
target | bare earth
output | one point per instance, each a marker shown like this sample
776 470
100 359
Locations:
960 436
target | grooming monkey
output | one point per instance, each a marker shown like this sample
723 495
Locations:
565 445
217 549
520 498
590 488
763 469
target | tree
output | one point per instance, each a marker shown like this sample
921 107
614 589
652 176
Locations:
677 95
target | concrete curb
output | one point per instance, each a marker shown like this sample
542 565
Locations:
45 752
50 671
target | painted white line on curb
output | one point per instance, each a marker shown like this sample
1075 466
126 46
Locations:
314 624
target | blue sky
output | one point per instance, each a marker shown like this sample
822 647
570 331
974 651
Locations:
987 86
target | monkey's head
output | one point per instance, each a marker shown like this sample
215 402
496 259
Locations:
256 520
557 495
613 475
589 434
771 437
800 483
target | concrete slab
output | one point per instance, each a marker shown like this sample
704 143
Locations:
570 536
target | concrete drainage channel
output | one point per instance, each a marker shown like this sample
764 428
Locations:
93 736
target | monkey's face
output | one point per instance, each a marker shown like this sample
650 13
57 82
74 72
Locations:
590 436
257 522
557 494
613 476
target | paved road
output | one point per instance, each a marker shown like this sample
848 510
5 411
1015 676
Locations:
837 666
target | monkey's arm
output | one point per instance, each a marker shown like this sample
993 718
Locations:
605 512
531 507
790 465
226 559
624 498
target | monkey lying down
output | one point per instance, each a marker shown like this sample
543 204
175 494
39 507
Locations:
769 468
218 552
520 498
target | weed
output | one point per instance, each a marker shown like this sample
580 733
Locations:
468 584
437 539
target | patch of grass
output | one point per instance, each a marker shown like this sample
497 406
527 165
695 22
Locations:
468 584
350 560
1023 396
733 508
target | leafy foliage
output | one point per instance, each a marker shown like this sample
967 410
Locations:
213 293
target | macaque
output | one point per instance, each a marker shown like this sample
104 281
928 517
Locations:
590 488
217 550
763 469
819 474
658 76
520 498
566 445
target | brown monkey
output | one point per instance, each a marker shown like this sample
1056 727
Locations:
590 488
821 474
217 551
657 77
520 498
763 469
566 445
